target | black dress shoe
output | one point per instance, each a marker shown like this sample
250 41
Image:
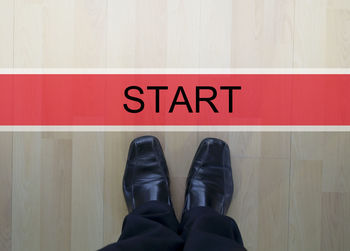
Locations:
209 182
146 176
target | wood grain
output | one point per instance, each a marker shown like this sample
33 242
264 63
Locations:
310 35
175 33
281 200
273 204
245 203
333 221
305 205
55 196
262 33
26 191
58 34
179 150
137 33
215 33
338 38
6 33
5 190
336 169
90 33
87 191
28 33
114 207
183 33
319 191
321 36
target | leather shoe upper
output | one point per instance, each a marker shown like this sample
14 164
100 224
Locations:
146 176
210 182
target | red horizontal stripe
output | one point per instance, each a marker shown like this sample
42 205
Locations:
281 99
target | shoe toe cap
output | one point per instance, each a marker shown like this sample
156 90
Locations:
143 146
214 152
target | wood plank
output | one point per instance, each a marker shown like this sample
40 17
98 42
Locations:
336 166
305 205
260 202
26 191
179 150
338 32
183 33
121 34
5 190
6 33
28 33
90 33
330 151
273 204
245 202
215 33
262 33
44 33
137 33
310 36
333 221
314 146
321 33
59 34
56 190
114 207
346 221
87 191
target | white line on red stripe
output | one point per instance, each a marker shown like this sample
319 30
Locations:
133 128
174 70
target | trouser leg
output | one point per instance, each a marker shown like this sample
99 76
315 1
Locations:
205 230
152 227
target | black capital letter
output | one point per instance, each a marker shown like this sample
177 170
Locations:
157 88
230 95
140 101
185 102
208 100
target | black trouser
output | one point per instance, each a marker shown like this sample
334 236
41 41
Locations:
153 226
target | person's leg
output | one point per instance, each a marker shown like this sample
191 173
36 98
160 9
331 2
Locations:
151 223
209 191
152 226
205 229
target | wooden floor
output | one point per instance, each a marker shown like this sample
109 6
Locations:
62 191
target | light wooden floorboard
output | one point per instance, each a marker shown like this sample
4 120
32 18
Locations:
67 187
114 207
183 33
321 36
319 195
26 206
262 33
137 33
305 205
56 194
87 191
174 33
6 33
5 190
